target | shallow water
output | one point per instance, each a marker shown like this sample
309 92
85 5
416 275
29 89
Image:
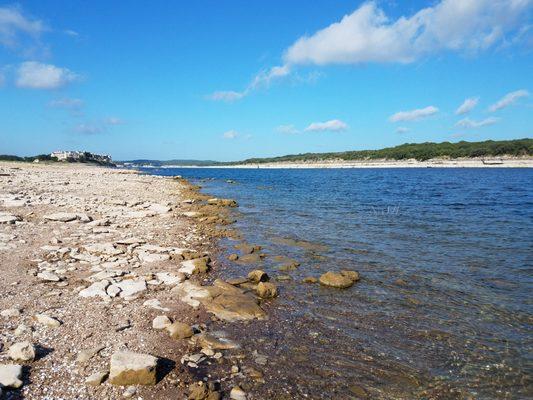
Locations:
444 306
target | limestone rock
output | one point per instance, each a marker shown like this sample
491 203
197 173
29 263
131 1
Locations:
195 266
48 276
97 378
339 280
237 393
97 289
212 342
152 258
22 351
10 376
266 290
128 368
47 320
61 217
258 276
161 322
222 202
9 218
10 313
179 330
310 279
131 287
85 355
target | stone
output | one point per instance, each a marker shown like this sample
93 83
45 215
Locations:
222 202
198 391
195 266
48 276
179 330
192 214
338 280
128 368
258 275
159 208
85 355
310 279
97 378
266 290
22 351
161 322
10 313
108 249
61 217
170 279
131 287
21 330
353 275
211 342
113 291
97 289
233 257
155 304
10 376
237 393
48 321
153 258
9 218
130 392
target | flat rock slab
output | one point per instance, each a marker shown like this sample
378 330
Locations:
97 289
9 218
10 375
128 368
131 287
61 217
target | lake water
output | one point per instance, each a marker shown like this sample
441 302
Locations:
444 306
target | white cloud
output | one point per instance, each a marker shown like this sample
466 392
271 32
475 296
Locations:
471 124
35 75
14 25
72 33
228 95
89 129
114 121
66 102
333 125
414 115
231 134
262 79
368 35
402 129
508 99
467 106
288 129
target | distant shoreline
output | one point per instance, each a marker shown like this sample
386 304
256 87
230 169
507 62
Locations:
432 163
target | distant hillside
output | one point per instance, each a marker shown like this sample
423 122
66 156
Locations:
158 163
418 151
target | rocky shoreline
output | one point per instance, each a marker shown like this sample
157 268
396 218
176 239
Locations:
105 291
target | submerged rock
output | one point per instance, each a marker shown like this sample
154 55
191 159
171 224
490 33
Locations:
341 280
266 290
128 368
310 279
257 276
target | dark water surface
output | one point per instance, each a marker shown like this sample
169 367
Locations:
444 306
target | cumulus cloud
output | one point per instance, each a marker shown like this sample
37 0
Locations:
368 35
467 106
14 26
414 115
471 124
508 99
231 134
36 75
333 125
66 102
402 129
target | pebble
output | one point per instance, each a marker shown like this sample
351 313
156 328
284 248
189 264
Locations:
237 393
47 320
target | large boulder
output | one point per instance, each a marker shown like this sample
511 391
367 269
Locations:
128 368
339 280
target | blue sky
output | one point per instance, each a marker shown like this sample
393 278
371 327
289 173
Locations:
236 79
